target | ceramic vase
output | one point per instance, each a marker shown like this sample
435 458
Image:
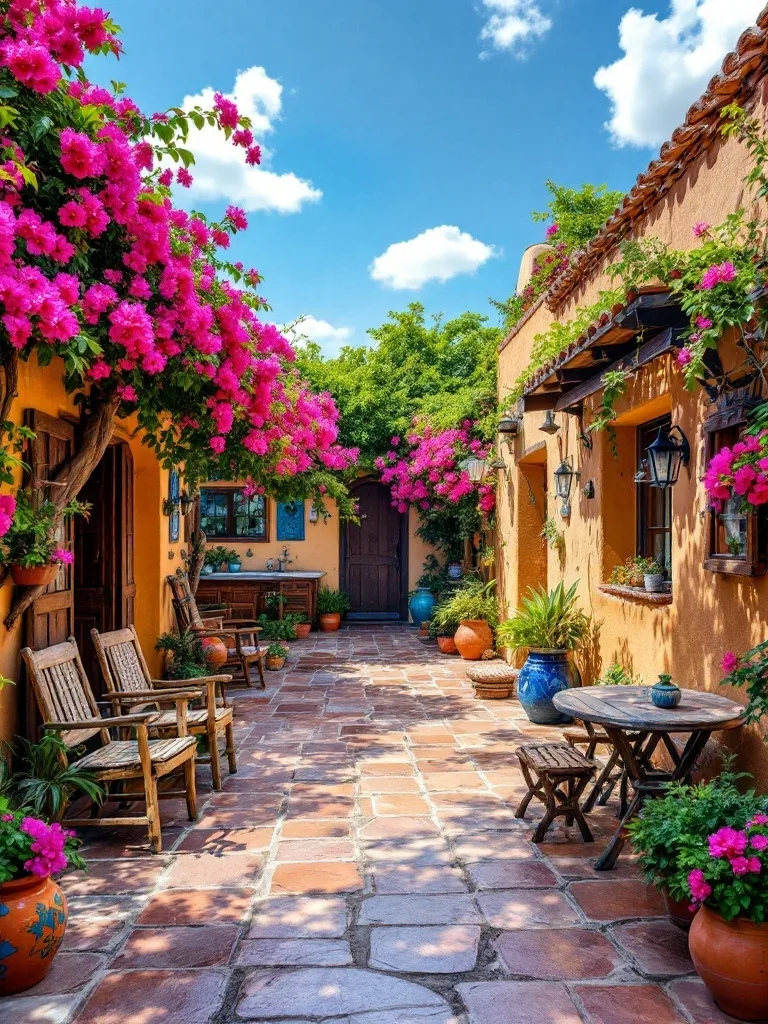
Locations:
33 919
472 638
421 606
329 622
544 674
731 958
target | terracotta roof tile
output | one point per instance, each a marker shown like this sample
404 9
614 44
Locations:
741 72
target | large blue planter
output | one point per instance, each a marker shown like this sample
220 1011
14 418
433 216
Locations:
421 605
544 674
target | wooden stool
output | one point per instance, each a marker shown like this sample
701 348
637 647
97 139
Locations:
561 775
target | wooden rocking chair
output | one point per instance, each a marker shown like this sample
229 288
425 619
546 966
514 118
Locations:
239 635
126 674
67 705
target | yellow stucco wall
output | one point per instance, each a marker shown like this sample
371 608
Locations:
710 612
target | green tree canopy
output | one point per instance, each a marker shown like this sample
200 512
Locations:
578 212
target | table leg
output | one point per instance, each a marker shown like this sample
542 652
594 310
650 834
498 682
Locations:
696 743
610 854
633 756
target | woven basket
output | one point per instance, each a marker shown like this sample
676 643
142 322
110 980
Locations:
493 680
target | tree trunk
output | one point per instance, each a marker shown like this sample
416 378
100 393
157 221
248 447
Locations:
196 547
97 431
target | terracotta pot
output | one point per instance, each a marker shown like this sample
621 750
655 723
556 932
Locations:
34 575
275 664
731 958
447 645
33 919
330 622
679 911
303 630
215 651
472 638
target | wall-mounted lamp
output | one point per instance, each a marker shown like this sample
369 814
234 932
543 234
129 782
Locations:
589 489
496 464
185 503
509 427
668 452
475 468
170 505
314 515
564 475
549 426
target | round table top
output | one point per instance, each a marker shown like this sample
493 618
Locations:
630 707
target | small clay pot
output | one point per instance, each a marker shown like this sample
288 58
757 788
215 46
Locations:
679 911
34 575
446 645
330 622
303 629
215 651
33 919
275 664
731 958
472 638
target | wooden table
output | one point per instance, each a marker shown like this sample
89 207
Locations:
624 709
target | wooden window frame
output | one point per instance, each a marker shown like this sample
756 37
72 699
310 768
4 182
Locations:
232 537
643 530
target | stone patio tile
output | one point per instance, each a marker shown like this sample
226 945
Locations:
452 782
308 791
410 1015
613 900
326 876
226 840
321 807
557 954
451 949
584 868
489 846
295 850
518 1002
294 953
69 972
392 767
209 946
209 870
656 948
140 997
627 1004
400 803
388 784
416 850
390 828
193 906
228 817
392 879
330 992
427 910
694 998
574 848
286 917
315 829
84 933
105 877
26 1009
527 908
511 874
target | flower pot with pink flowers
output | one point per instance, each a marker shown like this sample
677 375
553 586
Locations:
33 909
31 544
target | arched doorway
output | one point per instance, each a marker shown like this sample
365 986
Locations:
374 556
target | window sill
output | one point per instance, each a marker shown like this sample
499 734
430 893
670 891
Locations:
734 567
639 596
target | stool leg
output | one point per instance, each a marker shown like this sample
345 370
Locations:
523 807
551 812
586 834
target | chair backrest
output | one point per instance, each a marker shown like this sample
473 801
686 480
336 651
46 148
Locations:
121 660
62 690
184 603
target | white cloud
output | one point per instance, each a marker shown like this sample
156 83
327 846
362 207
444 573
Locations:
437 254
667 63
330 339
220 172
512 24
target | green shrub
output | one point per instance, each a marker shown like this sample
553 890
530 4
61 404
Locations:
474 599
330 602
188 654
549 621
44 781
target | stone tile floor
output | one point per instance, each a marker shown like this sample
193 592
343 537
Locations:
365 866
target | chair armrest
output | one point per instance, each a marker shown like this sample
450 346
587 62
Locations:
241 622
140 718
241 626
194 681
170 695
219 633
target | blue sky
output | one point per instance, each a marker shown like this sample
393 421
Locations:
414 115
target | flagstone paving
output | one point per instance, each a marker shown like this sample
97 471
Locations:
365 866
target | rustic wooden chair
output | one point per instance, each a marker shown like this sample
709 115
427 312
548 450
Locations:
127 675
239 635
67 705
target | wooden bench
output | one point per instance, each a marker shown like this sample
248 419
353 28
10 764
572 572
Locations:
556 774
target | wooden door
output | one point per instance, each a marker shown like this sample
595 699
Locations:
49 619
375 555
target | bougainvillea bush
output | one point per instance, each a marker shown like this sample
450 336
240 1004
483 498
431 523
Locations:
99 268
740 471
31 846
426 471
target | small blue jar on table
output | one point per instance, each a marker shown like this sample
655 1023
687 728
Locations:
421 605
665 694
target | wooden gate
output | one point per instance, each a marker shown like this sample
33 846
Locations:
374 556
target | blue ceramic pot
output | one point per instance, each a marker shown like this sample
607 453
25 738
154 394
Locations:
421 605
234 566
544 674
665 694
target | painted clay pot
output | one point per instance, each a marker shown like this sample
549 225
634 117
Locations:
679 911
329 622
472 638
731 958
34 575
303 630
446 645
33 919
544 674
215 651
421 606
275 664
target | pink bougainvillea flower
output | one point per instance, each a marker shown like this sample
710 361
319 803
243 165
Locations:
684 357
7 510
699 886
759 819
552 230
703 323
183 177
62 556
80 156
253 155
729 663
740 865
727 842
720 273
700 229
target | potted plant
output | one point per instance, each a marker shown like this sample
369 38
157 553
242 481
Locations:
39 777
330 605
301 624
30 546
472 612
548 626
671 829
275 656
653 576
234 561
185 654
34 908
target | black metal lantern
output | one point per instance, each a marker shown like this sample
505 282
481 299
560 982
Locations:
564 475
509 427
549 426
668 452
186 502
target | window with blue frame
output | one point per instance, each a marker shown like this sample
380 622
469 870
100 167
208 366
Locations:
227 514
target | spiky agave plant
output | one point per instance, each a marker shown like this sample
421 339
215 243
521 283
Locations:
45 782
546 620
